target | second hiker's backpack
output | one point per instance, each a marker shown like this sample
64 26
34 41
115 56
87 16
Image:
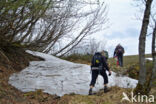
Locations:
106 54
97 60
119 50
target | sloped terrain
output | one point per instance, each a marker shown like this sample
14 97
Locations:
57 76
10 95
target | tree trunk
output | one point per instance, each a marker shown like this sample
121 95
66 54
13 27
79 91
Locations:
154 56
141 87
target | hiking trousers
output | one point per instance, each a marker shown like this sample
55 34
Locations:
120 59
95 74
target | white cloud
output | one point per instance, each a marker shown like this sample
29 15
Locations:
125 29
121 14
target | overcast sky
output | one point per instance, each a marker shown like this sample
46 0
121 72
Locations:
124 28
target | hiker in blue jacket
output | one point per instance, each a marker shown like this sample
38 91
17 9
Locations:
99 66
119 51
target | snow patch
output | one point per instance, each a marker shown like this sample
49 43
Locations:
57 76
150 59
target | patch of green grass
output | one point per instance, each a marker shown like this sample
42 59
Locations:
86 59
133 70
79 58
128 60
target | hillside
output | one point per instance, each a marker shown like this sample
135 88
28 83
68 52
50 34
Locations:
12 60
86 59
130 63
10 94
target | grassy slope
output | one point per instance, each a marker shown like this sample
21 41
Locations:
131 59
112 97
19 60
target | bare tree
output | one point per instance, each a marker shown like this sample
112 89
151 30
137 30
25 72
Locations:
142 85
43 24
96 19
17 18
153 75
88 46
94 46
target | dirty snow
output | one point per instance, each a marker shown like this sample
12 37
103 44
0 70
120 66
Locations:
57 76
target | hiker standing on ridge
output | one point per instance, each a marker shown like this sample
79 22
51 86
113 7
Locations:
119 51
99 66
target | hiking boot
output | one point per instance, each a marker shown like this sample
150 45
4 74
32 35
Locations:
90 91
106 89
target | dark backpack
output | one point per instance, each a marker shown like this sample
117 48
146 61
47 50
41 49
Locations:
97 60
119 50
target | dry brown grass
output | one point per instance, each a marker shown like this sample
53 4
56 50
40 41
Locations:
11 61
112 97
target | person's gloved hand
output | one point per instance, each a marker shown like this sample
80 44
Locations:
110 73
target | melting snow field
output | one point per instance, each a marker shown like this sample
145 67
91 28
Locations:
57 76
